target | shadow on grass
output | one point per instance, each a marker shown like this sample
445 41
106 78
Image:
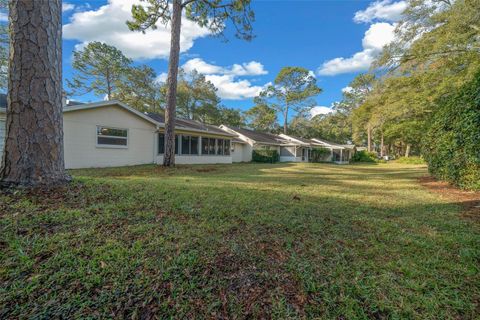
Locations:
258 241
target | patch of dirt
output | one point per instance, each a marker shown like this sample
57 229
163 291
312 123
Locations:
206 169
469 200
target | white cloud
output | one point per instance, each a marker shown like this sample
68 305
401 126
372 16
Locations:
107 24
383 10
315 111
162 77
67 6
376 37
225 79
252 68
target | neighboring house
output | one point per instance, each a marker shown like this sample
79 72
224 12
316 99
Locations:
254 140
339 153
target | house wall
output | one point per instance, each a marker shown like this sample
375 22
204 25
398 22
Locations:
2 132
241 152
80 138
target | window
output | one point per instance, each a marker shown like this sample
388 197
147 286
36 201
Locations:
204 145
220 146
112 137
226 148
161 143
189 145
211 146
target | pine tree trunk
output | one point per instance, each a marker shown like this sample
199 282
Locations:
33 154
381 146
407 151
285 121
369 139
169 156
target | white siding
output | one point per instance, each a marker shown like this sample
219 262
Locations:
2 133
242 153
80 137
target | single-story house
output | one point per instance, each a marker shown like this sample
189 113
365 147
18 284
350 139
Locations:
110 133
339 153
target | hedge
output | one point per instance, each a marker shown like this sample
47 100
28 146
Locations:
263 155
319 154
451 146
364 156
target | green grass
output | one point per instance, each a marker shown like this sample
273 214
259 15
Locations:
239 241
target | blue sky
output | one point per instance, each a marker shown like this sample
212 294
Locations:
334 39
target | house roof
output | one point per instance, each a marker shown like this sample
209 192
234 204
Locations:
190 125
259 137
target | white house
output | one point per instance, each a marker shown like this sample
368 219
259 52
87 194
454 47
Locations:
110 133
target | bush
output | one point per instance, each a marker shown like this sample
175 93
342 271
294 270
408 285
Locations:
264 155
451 146
364 156
319 154
411 160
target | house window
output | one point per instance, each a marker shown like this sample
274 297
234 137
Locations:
112 137
204 145
220 147
161 143
226 148
209 146
189 145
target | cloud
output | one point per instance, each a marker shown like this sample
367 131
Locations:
67 7
162 77
384 10
320 110
107 24
225 79
376 37
252 68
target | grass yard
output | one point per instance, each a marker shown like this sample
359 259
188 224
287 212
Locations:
240 241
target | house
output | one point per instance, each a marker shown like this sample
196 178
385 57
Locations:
339 153
254 140
110 133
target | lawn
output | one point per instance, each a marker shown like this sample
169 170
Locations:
240 241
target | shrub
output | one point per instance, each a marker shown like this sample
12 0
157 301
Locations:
451 146
411 160
264 155
319 154
364 156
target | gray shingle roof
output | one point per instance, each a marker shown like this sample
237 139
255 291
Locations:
188 124
261 137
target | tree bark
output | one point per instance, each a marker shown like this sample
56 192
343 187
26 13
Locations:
381 145
369 138
33 154
407 150
285 121
169 155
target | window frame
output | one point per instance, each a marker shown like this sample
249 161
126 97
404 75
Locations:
111 146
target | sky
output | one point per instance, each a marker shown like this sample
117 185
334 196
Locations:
336 40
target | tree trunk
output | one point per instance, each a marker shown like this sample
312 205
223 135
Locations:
407 151
369 138
285 121
381 146
33 154
169 155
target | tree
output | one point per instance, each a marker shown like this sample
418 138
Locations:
140 89
210 14
99 69
261 117
196 97
230 117
293 89
33 154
